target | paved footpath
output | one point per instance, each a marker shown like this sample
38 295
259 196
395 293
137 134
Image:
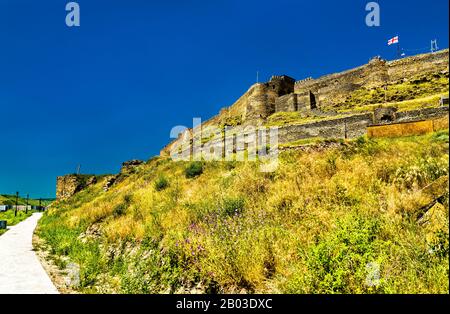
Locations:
20 270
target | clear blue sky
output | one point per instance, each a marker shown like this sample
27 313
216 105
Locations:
112 89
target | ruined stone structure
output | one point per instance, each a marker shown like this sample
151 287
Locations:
309 96
68 185
334 88
263 97
237 129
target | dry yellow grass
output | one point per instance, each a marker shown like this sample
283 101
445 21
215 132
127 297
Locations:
309 227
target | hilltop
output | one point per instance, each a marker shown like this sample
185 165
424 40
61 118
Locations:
352 100
312 226
358 202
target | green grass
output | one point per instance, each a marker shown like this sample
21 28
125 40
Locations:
418 103
161 183
341 220
6 199
419 92
288 118
12 220
194 169
309 141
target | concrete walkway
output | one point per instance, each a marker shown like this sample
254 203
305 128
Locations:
20 269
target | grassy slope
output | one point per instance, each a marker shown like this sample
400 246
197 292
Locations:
310 227
11 200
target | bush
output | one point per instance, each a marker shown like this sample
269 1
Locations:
194 169
121 208
161 183
233 205
338 263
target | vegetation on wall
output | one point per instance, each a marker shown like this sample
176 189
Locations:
417 87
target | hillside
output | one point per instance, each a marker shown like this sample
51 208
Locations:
345 216
6 199
358 202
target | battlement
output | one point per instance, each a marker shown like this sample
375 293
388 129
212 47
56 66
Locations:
305 80
333 89
308 96
281 78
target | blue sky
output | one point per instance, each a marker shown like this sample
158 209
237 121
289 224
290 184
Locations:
112 89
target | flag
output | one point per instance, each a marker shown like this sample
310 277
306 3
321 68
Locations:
393 41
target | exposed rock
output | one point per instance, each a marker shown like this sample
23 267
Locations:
109 182
92 180
129 167
431 195
69 185
93 232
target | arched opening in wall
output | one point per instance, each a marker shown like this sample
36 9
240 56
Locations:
387 118
312 100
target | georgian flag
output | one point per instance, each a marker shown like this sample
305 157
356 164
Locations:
393 41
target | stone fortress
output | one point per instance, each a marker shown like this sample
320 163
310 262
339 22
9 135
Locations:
309 97
320 97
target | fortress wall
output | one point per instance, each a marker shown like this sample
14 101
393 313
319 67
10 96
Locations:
281 93
418 65
348 127
408 128
263 97
421 114
401 129
68 185
334 88
286 103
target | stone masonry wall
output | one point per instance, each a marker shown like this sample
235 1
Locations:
334 88
69 185
283 94
339 128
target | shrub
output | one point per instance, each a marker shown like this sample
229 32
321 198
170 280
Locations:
194 169
420 172
121 208
338 263
161 183
233 205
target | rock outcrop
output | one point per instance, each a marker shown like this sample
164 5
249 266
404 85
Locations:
69 185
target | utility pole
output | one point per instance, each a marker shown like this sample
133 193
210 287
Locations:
17 203
40 201
434 46
78 169
26 208
399 51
